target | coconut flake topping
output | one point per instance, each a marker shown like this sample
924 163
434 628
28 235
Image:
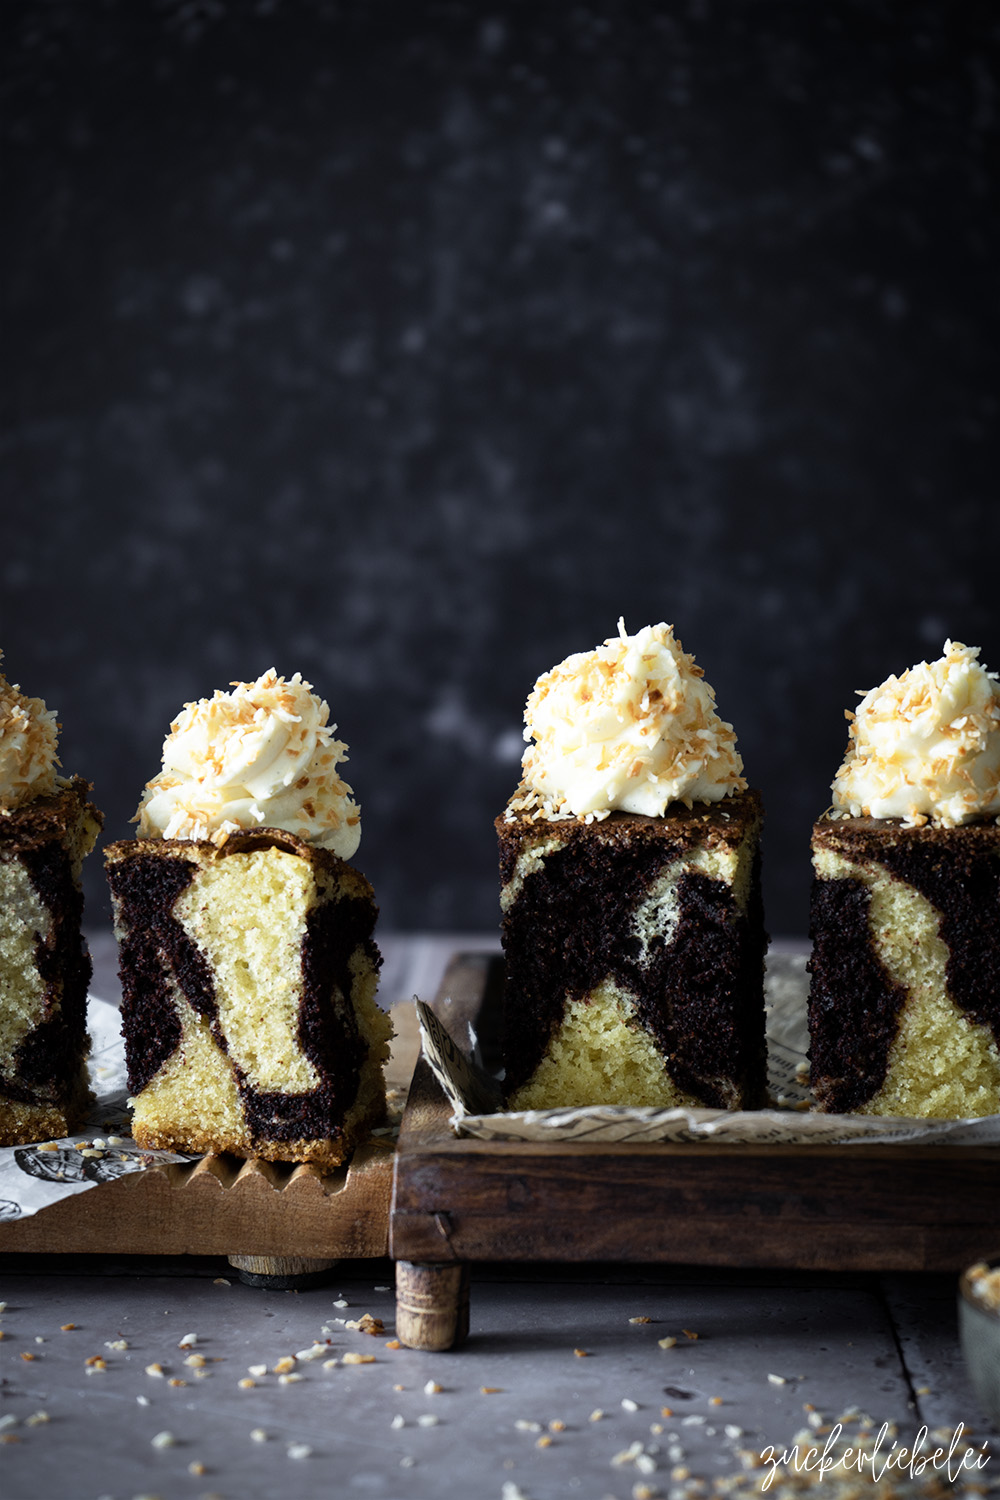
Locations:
28 736
260 756
925 747
631 726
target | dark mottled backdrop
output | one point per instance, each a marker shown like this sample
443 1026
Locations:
408 345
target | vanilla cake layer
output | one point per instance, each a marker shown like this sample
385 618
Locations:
45 969
249 976
634 951
904 1004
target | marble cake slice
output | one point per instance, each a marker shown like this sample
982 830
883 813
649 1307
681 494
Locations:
249 974
904 1003
634 950
45 969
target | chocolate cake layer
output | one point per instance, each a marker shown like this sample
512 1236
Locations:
856 1004
573 893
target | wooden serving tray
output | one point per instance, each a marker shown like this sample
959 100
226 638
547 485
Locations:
858 1207
220 1205
272 1220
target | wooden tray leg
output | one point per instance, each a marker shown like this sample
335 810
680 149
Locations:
281 1273
432 1304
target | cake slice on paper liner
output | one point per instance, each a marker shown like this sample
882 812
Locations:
476 1097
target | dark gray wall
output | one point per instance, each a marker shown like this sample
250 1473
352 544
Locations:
408 345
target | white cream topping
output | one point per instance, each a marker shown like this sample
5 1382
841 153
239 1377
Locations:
260 756
28 737
925 747
631 726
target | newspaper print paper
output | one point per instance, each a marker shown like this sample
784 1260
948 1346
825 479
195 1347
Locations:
31 1179
475 1097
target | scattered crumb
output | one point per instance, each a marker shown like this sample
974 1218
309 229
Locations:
300 1450
315 1352
350 1358
490 1390
667 1343
582 1353
640 1320
163 1440
366 1324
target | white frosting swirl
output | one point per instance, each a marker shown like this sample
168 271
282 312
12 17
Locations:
926 746
28 737
631 726
260 756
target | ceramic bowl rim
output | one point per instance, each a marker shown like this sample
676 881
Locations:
965 1290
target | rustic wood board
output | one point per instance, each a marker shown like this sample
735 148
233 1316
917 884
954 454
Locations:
220 1205
809 1207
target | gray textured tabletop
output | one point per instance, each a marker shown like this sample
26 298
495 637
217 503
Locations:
600 1381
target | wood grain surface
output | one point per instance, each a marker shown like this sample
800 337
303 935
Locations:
220 1205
